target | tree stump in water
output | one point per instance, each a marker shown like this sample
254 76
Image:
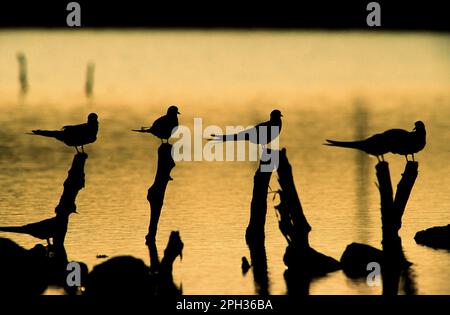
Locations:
155 194
303 262
255 235
392 260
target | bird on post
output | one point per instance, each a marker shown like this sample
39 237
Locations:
262 133
165 126
396 141
74 135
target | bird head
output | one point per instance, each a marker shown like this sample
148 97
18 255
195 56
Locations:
419 126
275 115
92 117
173 110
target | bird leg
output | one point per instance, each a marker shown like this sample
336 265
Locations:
413 157
82 149
382 157
406 157
378 158
76 148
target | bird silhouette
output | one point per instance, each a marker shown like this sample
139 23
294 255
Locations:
262 133
45 230
165 126
74 135
396 141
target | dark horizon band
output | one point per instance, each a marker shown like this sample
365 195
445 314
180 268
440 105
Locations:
395 15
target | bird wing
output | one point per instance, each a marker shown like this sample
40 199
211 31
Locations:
74 128
158 124
398 140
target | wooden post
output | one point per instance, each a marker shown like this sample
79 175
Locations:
255 234
72 185
258 207
292 221
394 261
303 262
404 189
162 270
259 267
392 209
155 195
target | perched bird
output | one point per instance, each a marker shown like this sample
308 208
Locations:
262 133
45 229
74 135
397 141
165 126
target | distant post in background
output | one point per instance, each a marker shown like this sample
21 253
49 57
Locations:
89 86
23 74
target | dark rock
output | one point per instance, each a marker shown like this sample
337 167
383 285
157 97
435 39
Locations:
435 237
23 272
357 256
309 262
122 275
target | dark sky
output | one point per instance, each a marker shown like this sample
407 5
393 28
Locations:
339 14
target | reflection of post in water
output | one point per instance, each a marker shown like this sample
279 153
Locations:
162 270
360 118
259 267
23 73
21 266
129 276
89 86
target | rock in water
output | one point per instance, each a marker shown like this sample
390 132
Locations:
435 237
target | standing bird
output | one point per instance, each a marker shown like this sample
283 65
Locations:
165 126
45 230
262 133
74 135
397 141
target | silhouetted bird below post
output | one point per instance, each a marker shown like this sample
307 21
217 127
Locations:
397 141
165 126
262 133
45 230
74 135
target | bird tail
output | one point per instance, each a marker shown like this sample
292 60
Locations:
143 129
344 144
231 137
15 229
48 133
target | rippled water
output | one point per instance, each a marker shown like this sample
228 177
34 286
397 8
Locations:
327 85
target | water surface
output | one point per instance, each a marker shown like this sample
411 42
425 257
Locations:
327 85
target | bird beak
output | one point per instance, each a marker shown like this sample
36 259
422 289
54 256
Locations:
178 113
281 115
415 128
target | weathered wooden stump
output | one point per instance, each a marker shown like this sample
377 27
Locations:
392 260
156 192
303 262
